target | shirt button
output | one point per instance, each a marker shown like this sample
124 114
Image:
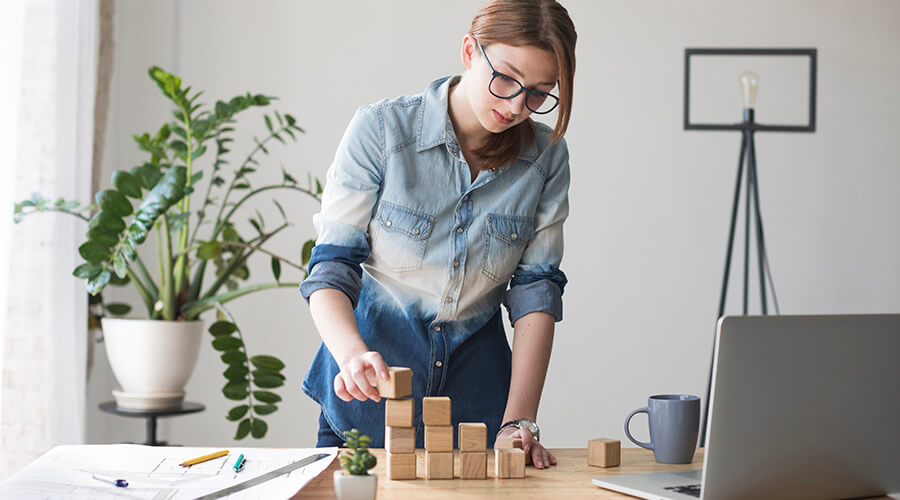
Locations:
466 198
449 299
439 364
415 230
514 236
455 263
387 223
459 230
437 328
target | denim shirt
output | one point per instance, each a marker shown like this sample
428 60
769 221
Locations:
426 256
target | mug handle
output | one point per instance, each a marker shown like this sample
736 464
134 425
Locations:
646 410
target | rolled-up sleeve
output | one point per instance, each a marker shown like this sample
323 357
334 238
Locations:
538 282
348 200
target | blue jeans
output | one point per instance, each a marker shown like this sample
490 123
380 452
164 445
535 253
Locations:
327 437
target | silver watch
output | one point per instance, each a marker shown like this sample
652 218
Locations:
523 423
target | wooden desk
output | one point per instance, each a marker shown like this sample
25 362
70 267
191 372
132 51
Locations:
570 479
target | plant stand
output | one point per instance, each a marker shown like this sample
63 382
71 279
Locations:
151 416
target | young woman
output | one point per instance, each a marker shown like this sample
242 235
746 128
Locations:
438 208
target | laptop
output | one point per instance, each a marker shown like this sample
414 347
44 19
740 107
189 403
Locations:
800 407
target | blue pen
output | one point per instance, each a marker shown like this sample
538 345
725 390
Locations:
239 464
121 483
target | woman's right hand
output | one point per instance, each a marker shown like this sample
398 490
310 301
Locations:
359 376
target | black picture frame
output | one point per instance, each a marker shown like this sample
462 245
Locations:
810 126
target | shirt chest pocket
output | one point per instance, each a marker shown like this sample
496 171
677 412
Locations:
400 236
505 240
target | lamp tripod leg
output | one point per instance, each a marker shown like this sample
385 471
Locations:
760 240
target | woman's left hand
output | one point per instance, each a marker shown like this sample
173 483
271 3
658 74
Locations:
540 456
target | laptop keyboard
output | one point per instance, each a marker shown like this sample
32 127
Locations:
691 489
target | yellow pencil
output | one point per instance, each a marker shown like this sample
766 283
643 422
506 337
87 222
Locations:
204 458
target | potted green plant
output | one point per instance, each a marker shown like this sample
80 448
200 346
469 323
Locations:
153 358
355 482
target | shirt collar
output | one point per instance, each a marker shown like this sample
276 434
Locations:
434 126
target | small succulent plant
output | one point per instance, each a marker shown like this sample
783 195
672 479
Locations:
359 461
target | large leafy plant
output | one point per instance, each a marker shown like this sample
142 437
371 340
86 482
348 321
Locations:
156 197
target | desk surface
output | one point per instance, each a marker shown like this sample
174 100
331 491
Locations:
570 479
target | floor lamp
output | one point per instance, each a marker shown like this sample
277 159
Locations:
747 175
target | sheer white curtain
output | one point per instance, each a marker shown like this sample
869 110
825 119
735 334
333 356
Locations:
47 134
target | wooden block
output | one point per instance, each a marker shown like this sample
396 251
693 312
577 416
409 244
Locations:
401 465
438 465
400 439
512 443
436 410
400 384
501 444
473 464
604 452
509 463
472 436
399 412
439 438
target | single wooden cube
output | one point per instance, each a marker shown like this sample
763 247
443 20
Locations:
439 438
399 412
400 384
472 436
604 452
509 463
473 464
401 465
436 410
400 439
512 443
438 465
508 443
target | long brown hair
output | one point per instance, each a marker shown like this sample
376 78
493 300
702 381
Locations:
544 24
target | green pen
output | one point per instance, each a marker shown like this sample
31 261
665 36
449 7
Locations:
239 464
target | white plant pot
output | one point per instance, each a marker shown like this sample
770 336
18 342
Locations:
350 487
152 360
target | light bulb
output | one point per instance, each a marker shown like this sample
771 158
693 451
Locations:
749 83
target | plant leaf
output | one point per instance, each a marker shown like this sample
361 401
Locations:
96 284
209 250
267 363
236 391
114 202
167 191
236 373
267 381
222 328
259 428
264 409
267 396
225 342
87 270
237 412
118 309
307 251
232 356
276 268
93 252
243 429
126 183
119 265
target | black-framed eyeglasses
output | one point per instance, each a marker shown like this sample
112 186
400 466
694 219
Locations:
506 87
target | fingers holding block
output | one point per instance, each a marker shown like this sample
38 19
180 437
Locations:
472 436
401 465
604 452
509 463
436 410
400 439
399 412
513 443
439 438
438 465
473 464
399 385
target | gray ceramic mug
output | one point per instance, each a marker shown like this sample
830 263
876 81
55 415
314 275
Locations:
674 425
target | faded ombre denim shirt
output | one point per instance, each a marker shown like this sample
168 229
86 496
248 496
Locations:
426 256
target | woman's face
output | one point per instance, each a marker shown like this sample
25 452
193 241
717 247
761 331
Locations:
534 68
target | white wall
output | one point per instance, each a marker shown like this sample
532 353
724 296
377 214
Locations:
650 202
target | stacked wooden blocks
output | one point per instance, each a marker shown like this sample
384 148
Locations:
509 459
399 433
438 437
473 450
